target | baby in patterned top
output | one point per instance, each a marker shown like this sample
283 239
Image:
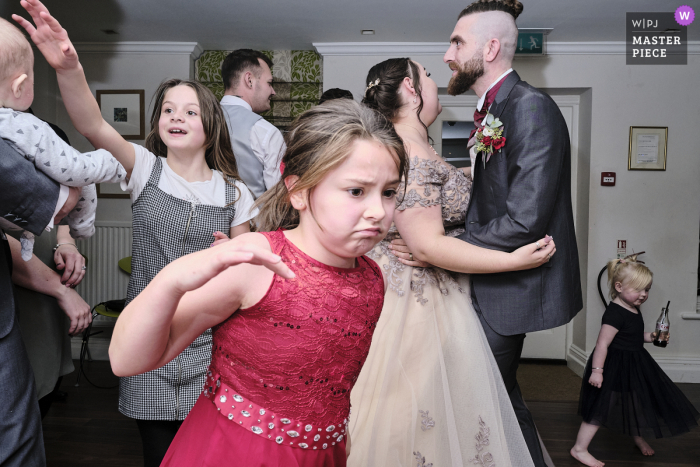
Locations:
37 142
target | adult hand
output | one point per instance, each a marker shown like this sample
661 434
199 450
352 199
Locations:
219 238
76 309
535 254
69 260
71 201
48 35
596 379
400 249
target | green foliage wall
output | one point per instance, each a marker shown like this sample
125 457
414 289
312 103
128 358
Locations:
298 76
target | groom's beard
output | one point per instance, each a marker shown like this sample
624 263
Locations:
466 76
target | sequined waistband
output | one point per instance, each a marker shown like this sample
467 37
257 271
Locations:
271 425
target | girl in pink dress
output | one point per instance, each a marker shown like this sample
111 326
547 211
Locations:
293 320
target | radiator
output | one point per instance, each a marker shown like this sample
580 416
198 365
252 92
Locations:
103 279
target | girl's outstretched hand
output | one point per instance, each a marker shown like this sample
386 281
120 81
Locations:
535 254
48 35
194 270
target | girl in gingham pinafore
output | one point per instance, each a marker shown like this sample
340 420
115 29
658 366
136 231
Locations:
165 228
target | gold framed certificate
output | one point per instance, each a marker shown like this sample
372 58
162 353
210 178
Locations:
647 150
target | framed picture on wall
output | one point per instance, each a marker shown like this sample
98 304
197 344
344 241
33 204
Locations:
110 190
647 149
124 110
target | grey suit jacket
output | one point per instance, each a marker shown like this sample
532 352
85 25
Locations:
28 199
524 193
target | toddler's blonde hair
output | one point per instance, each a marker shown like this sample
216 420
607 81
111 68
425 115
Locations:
628 271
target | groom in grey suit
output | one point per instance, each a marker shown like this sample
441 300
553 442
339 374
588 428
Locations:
520 193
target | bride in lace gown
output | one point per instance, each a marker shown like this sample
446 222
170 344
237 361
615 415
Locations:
430 392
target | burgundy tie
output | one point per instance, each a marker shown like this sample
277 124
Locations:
479 115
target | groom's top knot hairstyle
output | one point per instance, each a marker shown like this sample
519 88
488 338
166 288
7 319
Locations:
512 7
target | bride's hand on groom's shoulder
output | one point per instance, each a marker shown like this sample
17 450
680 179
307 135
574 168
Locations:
534 254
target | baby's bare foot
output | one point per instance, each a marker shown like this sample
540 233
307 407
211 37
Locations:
643 446
585 457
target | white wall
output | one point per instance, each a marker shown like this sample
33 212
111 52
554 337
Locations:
114 66
654 211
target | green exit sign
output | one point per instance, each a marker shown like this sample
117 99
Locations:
530 43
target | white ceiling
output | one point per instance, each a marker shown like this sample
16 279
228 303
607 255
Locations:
270 24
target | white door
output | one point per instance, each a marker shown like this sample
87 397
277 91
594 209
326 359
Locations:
551 343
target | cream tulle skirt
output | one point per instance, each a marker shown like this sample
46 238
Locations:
430 391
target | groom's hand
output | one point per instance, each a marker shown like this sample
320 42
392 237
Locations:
403 254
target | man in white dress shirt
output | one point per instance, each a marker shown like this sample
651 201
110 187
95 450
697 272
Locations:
257 144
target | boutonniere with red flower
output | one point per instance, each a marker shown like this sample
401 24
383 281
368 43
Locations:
489 138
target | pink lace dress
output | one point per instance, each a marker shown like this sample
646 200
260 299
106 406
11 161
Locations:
278 389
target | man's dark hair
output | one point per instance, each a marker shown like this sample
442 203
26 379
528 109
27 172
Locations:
512 7
238 62
335 93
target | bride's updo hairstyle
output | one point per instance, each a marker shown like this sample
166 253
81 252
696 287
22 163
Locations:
383 83
512 7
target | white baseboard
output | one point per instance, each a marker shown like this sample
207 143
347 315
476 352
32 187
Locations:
99 348
679 369
576 359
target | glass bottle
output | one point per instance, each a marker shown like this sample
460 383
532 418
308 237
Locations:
662 327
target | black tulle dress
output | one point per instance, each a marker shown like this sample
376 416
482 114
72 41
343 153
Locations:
636 397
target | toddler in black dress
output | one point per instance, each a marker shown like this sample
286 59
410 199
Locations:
635 397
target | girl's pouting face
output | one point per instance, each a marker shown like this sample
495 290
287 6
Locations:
180 124
354 204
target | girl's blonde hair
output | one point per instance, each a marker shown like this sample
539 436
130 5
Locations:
628 271
218 153
318 141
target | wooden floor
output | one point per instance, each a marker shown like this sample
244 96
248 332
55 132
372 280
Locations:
88 430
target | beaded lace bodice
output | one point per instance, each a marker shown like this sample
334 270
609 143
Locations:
437 183
430 183
299 350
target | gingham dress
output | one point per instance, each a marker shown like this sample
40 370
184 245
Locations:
165 228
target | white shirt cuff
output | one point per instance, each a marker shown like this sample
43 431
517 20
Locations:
62 197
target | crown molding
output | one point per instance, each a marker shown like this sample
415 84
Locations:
327 49
380 48
161 48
